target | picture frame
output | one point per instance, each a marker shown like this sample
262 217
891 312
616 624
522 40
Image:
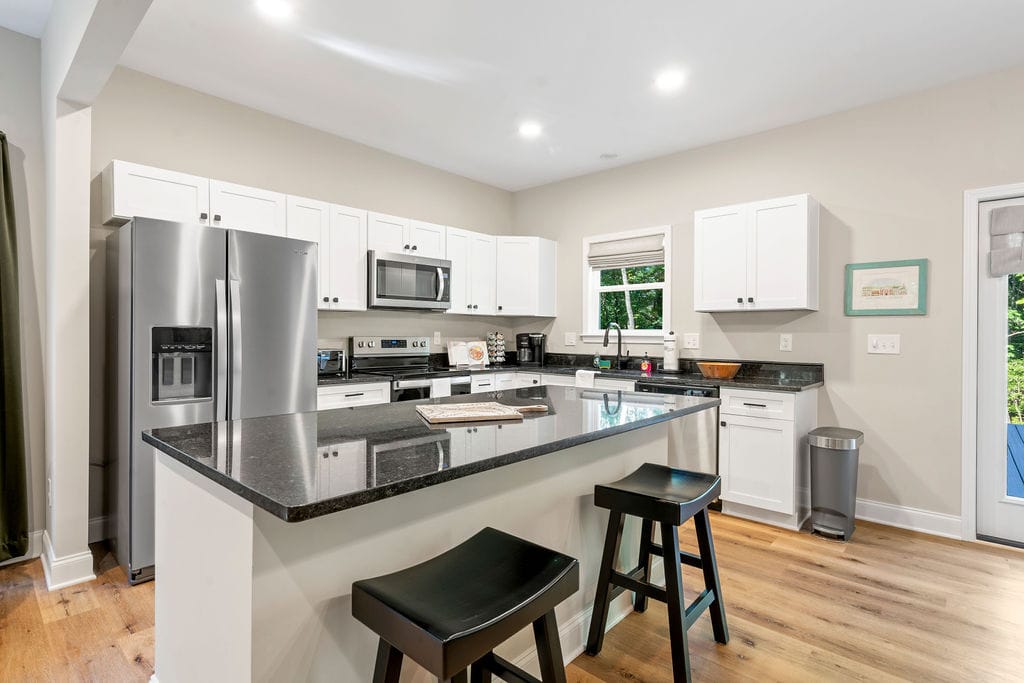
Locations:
887 288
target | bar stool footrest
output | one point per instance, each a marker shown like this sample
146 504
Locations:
504 669
697 607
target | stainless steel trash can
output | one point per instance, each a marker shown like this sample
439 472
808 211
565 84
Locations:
834 455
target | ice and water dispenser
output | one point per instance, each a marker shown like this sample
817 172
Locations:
182 363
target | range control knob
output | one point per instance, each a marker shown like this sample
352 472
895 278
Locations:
415 344
360 344
371 344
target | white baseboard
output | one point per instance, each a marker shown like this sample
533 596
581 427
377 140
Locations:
35 548
100 528
935 523
65 571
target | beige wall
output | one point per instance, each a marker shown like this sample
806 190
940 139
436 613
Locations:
21 118
890 178
149 121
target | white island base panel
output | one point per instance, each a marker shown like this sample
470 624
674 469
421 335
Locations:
242 595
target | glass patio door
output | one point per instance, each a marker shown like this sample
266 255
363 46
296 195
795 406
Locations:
1000 460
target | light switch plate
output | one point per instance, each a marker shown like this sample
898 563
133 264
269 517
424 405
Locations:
785 342
884 343
570 339
437 338
691 340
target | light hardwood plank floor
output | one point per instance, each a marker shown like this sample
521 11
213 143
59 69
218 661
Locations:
890 605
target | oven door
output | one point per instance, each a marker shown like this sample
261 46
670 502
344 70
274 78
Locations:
403 281
410 390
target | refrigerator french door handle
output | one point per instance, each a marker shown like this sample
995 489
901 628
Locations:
220 407
236 351
440 284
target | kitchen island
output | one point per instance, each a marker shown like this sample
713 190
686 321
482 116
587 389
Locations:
263 524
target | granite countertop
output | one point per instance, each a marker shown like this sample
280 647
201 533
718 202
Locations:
307 465
772 382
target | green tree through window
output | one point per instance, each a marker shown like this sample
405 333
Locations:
632 297
1015 348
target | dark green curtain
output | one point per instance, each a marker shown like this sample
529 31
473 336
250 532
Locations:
13 483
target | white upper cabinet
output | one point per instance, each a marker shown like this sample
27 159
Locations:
403 236
247 208
759 256
427 239
310 220
348 258
526 282
340 233
473 277
131 190
387 233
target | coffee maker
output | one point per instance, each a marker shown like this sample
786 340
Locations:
530 348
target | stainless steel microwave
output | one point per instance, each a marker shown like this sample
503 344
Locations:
406 281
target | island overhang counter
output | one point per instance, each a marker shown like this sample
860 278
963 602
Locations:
263 524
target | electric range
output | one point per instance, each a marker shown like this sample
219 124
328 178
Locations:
405 361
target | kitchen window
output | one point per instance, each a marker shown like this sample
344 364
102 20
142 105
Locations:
627 281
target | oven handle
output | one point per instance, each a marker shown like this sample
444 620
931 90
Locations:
440 283
412 384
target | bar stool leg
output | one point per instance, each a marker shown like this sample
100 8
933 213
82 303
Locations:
599 617
549 649
478 673
702 523
644 561
676 607
389 663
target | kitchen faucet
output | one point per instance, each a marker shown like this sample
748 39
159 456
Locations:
618 348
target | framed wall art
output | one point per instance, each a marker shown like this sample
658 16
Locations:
887 288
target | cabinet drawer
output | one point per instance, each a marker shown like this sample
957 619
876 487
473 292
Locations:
771 404
351 395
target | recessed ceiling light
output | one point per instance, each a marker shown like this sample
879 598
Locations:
669 80
530 129
274 9
609 155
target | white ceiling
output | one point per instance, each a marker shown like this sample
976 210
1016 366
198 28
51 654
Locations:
447 82
25 16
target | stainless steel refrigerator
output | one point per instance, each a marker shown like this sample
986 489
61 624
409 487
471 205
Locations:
205 325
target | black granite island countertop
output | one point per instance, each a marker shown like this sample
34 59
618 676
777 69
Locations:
307 465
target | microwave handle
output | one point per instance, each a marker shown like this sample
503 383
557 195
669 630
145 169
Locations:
440 283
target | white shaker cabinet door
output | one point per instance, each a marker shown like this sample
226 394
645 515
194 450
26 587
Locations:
782 272
131 190
348 258
756 462
310 220
249 209
427 239
482 273
720 259
459 245
387 233
517 269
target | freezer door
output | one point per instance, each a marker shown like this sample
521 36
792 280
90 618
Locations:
272 301
178 352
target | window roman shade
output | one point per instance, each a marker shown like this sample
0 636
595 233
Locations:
645 250
1006 227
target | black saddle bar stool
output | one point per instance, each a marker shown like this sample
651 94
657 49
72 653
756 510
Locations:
668 496
450 612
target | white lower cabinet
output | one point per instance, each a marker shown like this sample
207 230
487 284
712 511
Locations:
763 457
352 395
504 381
341 468
527 379
482 383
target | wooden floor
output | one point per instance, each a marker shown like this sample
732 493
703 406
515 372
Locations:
890 605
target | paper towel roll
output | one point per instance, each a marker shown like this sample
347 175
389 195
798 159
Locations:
585 378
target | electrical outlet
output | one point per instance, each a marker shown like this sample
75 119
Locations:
437 338
884 343
785 342
570 339
691 340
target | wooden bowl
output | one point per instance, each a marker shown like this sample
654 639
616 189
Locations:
719 370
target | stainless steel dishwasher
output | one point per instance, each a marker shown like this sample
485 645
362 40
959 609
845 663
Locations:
694 438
